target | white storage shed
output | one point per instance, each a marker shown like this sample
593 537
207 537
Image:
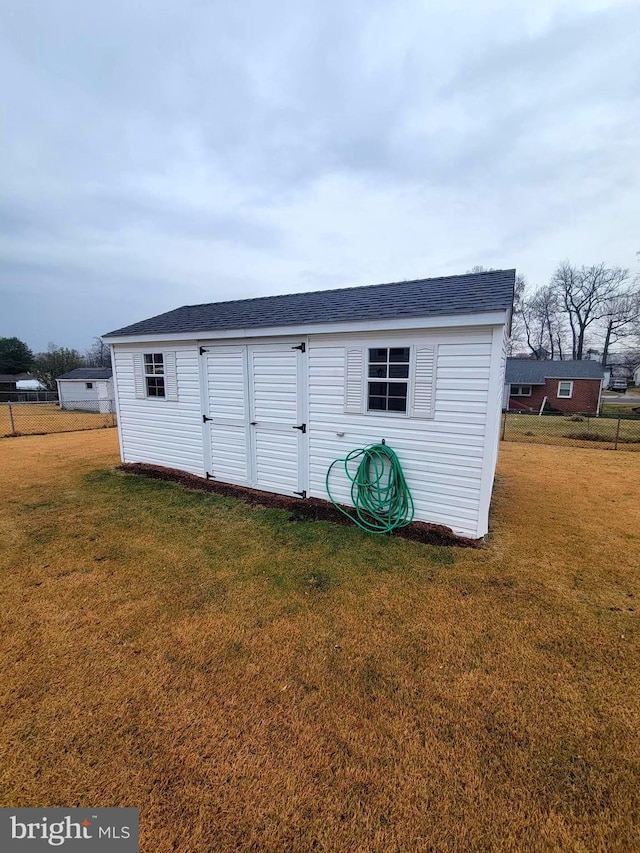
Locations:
87 389
267 392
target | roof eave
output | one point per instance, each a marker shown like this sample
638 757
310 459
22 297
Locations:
497 317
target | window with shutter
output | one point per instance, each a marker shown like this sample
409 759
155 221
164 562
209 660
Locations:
155 375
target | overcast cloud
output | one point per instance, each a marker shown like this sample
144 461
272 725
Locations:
170 152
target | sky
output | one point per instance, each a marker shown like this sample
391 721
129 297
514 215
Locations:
170 152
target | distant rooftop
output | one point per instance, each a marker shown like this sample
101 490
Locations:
471 293
88 373
531 371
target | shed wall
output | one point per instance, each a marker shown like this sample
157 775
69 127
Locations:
74 394
157 431
442 457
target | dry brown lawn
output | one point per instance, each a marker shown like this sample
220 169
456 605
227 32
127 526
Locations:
254 684
44 418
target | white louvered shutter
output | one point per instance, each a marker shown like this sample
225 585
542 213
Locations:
138 376
170 376
354 381
424 384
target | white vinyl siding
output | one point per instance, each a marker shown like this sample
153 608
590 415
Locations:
160 431
442 457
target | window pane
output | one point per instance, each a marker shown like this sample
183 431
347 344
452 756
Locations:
378 389
153 363
399 354
155 386
378 354
378 403
399 371
397 404
378 370
398 389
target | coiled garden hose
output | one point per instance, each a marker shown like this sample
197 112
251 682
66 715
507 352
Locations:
379 491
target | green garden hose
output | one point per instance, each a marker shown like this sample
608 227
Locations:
379 491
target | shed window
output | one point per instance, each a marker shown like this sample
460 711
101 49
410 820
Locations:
565 389
520 391
88 385
388 379
154 374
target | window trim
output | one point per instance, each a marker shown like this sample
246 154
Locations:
154 375
519 392
568 396
408 380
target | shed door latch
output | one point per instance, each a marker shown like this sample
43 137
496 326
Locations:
205 419
302 347
302 428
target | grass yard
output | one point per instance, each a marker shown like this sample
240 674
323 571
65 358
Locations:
42 418
253 684
556 429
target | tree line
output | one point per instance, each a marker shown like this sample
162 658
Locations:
16 357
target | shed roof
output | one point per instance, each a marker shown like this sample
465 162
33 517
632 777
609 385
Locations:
88 373
471 293
530 371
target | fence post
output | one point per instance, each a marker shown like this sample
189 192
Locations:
615 447
13 427
504 425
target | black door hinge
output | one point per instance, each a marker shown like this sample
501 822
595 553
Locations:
302 428
205 419
202 350
302 347
302 494
209 476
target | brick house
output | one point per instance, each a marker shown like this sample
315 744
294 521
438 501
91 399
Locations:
568 386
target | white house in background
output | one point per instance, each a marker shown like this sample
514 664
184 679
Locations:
267 392
636 376
87 389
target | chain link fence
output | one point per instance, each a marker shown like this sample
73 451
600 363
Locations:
67 416
606 432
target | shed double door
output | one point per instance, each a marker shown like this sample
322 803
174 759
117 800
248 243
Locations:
255 430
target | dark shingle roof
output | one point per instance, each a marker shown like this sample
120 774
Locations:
88 373
455 294
532 372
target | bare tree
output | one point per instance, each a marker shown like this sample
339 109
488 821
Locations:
543 323
585 293
517 325
620 313
98 354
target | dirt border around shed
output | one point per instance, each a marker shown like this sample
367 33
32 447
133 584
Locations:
307 509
